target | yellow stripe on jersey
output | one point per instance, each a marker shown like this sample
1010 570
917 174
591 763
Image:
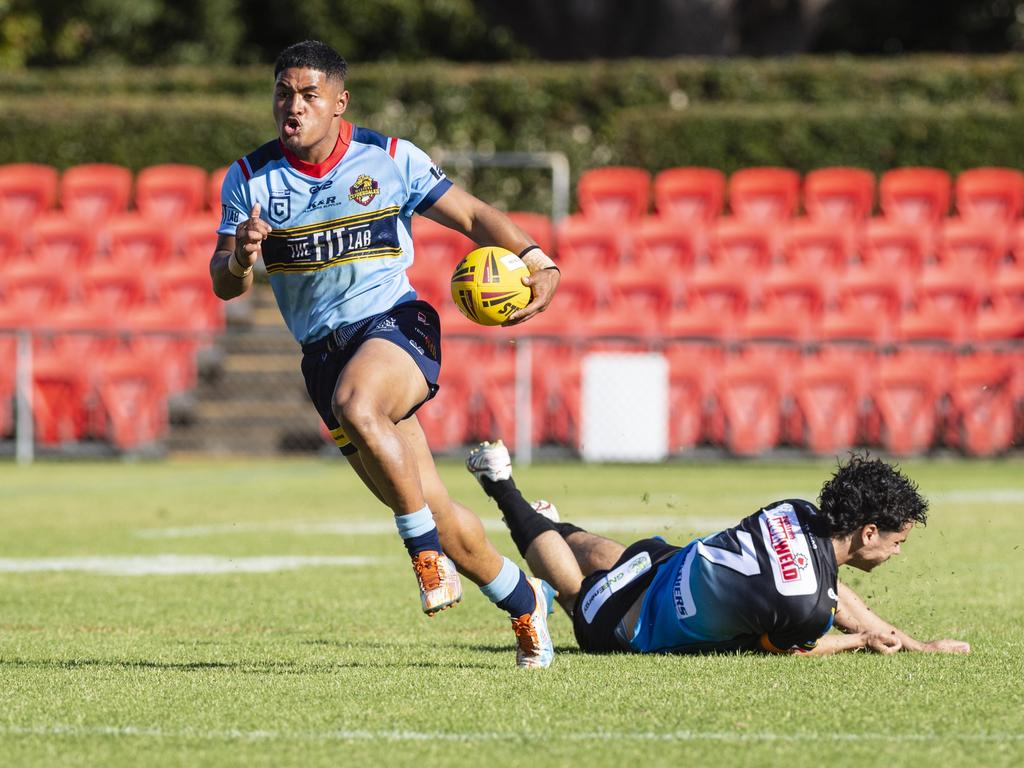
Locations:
344 221
340 438
314 266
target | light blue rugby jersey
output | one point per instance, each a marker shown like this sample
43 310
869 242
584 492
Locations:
342 236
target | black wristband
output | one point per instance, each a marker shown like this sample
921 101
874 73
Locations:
527 249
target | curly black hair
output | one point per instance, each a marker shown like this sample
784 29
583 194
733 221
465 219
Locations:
867 490
312 54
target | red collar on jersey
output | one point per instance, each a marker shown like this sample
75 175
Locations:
319 170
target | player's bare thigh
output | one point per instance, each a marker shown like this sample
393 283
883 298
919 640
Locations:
382 379
593 552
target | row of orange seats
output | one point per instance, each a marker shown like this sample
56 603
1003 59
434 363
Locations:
751 401
87 387
95 191
110 298
911 195
56 241
656 244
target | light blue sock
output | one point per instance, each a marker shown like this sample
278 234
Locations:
510 590
418 531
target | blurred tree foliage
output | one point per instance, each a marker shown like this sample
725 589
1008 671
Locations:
160 32
56 32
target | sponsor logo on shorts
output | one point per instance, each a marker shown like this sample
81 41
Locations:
416 346
421 317
427 341
387 324
612 582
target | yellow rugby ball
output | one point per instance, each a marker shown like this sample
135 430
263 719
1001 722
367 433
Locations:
487 285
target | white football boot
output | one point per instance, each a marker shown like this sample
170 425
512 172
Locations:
491 461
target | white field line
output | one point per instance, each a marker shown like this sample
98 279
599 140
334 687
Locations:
172 565
651 524
85 731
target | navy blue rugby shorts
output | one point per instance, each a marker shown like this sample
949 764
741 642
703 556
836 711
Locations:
413 325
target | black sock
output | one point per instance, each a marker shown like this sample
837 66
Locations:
523 521
566 529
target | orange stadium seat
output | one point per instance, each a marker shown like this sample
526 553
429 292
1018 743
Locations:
699 322
171 191
915 195
445 418
666 247
589 245
113 288
1007 290
971 245
35 289
431 281
871 290
213 188
982 405
693 370
95 191
136 241
853 323
169 339
614 193
839 195
132 407
12 245
860 357
800 291
692 196
993 195
817 245
893 245
826 398
59 400
643 294
741 244
436 244
764 194
183 289
196 239
954 291
748 395
26 190
722 290
906 399
60 242
538 226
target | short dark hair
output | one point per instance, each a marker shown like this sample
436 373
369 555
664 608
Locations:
312 54
867 490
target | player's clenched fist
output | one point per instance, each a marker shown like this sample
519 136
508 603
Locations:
249 237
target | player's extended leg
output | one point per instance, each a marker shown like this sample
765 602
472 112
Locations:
527 601
376 388
560 553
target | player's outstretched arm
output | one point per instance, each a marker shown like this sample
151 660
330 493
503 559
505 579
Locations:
857 641
486 225
234 257
854 616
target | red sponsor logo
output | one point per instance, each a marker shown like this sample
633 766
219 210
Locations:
781 532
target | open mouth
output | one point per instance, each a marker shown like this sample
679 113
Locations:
291 126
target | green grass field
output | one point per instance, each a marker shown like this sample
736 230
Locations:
332 663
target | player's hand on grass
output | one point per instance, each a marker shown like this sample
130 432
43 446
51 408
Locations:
881 642
249 237
543 284
946 646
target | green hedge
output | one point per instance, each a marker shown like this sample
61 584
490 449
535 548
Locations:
947 112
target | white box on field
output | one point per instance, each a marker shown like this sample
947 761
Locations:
625 407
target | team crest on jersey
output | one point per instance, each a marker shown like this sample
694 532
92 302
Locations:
280 207
364 190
